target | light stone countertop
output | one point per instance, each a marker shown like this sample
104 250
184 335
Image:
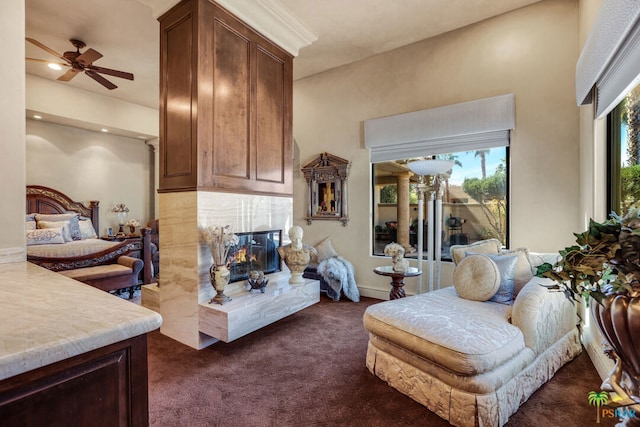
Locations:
46 317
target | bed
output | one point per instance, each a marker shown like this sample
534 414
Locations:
88 250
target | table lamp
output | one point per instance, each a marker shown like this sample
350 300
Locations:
121 213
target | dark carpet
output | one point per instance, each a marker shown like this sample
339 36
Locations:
309 370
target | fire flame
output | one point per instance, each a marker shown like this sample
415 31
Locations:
240 257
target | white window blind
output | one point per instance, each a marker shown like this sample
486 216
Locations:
468 126
609 65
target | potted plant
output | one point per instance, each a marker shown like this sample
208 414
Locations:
604 265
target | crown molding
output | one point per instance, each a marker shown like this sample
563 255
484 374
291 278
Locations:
270 18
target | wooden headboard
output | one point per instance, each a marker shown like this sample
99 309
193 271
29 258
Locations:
46 200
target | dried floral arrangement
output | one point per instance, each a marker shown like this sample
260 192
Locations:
219 239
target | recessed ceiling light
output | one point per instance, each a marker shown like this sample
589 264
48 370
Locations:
37 117
104 130
54 66
142 137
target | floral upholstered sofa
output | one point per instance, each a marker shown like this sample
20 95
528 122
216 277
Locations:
474 352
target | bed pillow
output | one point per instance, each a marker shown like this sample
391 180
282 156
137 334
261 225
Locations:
325 250
476 278
45 236
489 246
30 225
64 225
73 218
86 229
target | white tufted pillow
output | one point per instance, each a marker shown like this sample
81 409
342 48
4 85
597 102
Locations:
477 278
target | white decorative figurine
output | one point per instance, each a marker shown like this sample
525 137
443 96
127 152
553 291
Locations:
296 255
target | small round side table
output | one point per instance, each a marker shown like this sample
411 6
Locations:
397 279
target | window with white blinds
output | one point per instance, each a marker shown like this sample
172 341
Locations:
609 65
468 126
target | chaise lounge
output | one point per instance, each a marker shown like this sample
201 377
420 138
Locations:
473 361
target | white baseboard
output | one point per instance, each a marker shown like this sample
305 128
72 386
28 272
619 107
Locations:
381 294
592 342
374 293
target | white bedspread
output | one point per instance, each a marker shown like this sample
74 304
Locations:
70 249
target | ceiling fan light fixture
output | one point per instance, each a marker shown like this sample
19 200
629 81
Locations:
80 62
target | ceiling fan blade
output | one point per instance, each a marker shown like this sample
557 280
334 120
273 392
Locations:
88 56
110 72
47 62
51 51
97 77
68 75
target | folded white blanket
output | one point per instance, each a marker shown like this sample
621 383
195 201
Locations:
338 273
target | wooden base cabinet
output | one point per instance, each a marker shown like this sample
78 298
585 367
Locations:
225 104
104 387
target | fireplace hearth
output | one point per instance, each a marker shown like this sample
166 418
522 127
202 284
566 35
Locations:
257 250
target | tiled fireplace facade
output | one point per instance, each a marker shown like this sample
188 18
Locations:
185 261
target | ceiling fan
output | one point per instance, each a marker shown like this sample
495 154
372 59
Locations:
81 62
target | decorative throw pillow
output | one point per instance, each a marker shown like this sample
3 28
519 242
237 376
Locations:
489 246
476 278
45 236
64 225
325 250
507 266
86 229
523 268
74 226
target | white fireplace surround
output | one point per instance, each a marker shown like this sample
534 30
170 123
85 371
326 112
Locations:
185 286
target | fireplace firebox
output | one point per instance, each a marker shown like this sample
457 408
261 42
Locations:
257 250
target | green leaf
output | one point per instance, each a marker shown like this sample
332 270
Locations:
544 268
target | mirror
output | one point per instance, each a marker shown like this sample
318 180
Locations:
326 177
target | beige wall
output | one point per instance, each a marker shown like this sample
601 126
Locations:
89 110
530 52
12 124
88 165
